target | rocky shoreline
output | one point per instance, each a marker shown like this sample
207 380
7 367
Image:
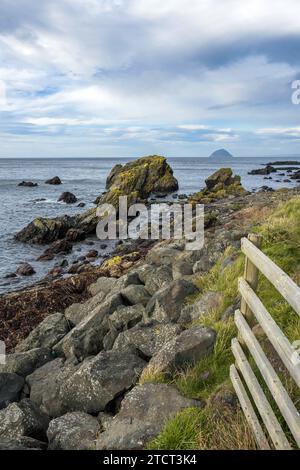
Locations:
88 353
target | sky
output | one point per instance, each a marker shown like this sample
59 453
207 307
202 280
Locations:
125 78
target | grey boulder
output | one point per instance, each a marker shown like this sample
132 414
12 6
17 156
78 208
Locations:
144 411
49 332
73 431
23 419
24 363
10 388
136 294
184 350
209 302
99 380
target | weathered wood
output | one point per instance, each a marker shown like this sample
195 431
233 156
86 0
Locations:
251 276
280 395
283 283
248 410
281 344
268 416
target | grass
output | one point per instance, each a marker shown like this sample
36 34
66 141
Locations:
206 428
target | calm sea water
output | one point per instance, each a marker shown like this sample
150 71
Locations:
86 179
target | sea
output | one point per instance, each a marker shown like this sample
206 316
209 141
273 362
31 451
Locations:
86 179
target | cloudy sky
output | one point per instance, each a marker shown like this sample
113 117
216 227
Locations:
132 77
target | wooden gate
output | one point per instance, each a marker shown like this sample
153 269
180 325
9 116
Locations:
260 416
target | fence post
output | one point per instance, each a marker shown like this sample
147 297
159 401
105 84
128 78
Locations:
251 276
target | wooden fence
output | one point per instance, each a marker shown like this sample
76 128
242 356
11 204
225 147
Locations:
267 430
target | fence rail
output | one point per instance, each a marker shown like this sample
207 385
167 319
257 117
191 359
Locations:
256 407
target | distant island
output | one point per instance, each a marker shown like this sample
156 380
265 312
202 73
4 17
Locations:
221 154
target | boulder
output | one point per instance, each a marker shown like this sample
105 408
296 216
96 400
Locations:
54 181
138 179
79 311
103 284
162 255
25 270
49 332
42 231
44 385
10 388
263 171
92 254
223 177
57 247
87 337
75 235
156 278
184 350
73 431
136 294
67 197
23 419
166 304
28 184
99 380
144 411
24 363
125 318
209 302
146 340
21 443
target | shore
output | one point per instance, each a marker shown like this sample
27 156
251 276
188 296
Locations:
140 346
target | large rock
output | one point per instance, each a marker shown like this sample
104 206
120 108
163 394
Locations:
209 302
138 179
156 278
144 412
10 388
103 284
136 295
167 303
87 337
77 312
183 350
162 255
24 363
25 269
73 431
146 340
45 383
23 419
125 318
57 247
54 181
67 197
221 177
99 380
49 332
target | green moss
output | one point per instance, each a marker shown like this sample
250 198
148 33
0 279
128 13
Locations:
112 262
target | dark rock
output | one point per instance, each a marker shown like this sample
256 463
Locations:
10 276
144 412
296 175
23 419
54 181
263 171
67 197
103 247
81 204
28 184
166 304
10 388
100 380
125 318
58 247
25 270
221 177
75 235
48 333
45 383
136 294
184 350
92 254
24 363
73 431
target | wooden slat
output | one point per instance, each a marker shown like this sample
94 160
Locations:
283 283
279 341
251 276
280 395
248 410
268 416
